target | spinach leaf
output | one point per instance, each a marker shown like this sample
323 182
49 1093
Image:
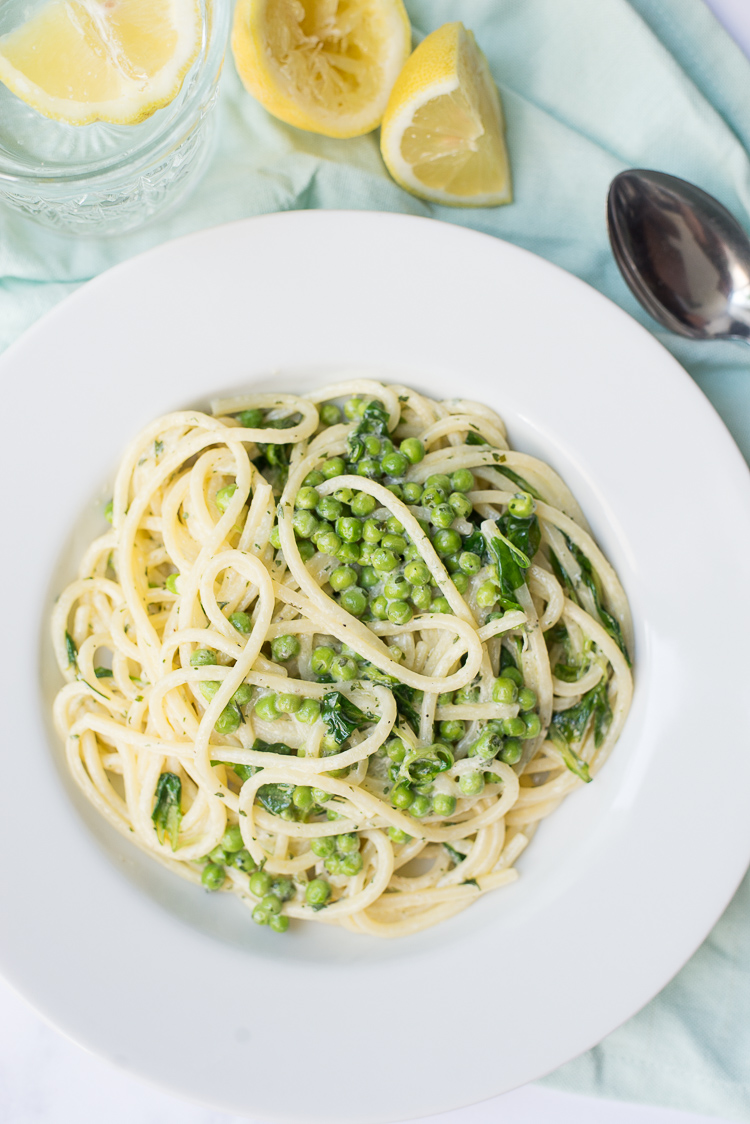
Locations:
610 624
374 420
525 534
272 747
71 649
276 798
167 813
455 856
103 672
475 542
341 716
509 572
568 727
523 484
473 438
405 697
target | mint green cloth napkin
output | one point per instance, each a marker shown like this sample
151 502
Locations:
589 87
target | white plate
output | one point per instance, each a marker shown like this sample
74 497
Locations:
619 886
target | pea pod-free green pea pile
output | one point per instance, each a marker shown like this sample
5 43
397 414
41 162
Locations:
339 654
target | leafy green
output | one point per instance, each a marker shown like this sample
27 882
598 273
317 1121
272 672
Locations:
71 649
374 420
341 716
473 438
276 798
568 727
475 542
523 484
525 534
591 579
103 672
272 747
167 813
509 573
455 856
404 695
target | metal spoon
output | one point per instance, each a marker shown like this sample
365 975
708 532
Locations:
685 258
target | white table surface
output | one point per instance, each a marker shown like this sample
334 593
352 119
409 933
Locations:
46 1079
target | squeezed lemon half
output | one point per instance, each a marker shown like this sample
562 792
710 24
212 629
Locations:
102 60
323 65
443 128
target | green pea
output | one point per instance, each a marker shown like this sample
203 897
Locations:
242 622
514 727
488 744
400 612
511 672
469 562
368 577
466 695
384 559
330 414
344 670
354 601
445 699
285 648
306 550
396 750
304 523
462 480
401 795
288 703
344 495
351 864
395 490
309 712
372 531
522 505
313 479
443 805
420 806
321 659
323 846
349 529
486 595
171 583
302 797
451 563
421 597
224 495
432 498
363 504
320 795
471 784
417 573
460 504
242 695
275 538
271 904
318 891
412 492
395 464
452 730
260 883
209 687
343 577
279 923
244 861
396 543
365 553
334 467
330 509
441 517
202 657
266 708
504 690
379 608
231 840
461 582
229 720
439 480
533 725
440 605
260 917
307 498
396 835
348 844
218 855
397 587
412 449
368 467
329 543
250 419
333 864
511 752
348 553
212 876
526 698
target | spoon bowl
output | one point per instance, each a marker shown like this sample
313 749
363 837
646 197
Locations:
683 255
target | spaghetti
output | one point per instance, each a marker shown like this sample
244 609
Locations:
339 654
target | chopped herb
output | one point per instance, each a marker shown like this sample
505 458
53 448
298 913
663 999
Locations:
167 813
103 672
475 439
71 649
158 448
470 882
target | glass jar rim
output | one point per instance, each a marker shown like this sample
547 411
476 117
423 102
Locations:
216 25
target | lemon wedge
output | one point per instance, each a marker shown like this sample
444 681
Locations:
101 60
323 65
443 128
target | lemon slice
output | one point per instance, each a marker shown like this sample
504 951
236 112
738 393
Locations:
101 60
442 136
323 65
